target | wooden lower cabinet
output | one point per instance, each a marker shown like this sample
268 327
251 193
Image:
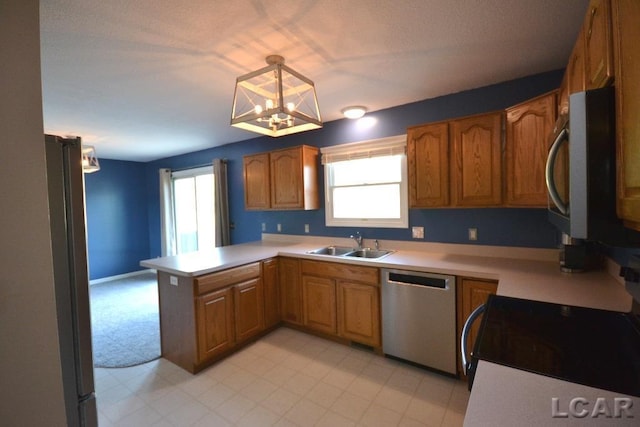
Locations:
342 300
290 290
204 318
215 317
359 312
319 304
472 293
249 309
270 284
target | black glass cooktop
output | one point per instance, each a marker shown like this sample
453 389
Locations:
592 347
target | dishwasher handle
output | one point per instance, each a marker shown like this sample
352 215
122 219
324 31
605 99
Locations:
427 281
465 334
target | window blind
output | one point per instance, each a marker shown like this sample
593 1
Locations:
365 149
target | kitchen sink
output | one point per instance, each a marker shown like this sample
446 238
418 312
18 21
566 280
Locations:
332 250
368 253
344 251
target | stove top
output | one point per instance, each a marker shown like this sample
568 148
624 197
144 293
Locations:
597 348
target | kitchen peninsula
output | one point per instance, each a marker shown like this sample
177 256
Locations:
520 272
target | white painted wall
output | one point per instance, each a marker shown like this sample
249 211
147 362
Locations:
30 374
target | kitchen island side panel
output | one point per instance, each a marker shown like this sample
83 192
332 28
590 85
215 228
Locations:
177 320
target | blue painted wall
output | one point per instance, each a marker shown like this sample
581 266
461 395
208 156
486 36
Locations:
117 222
505 227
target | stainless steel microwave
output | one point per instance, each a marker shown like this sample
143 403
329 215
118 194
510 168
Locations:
580 170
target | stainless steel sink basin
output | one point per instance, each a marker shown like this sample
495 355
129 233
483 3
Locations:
332 250
344 251
368 253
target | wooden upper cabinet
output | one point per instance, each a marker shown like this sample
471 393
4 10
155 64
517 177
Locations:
257 194
476 166
575 67
529 126
598 45
294 180
282 179
573 79
428 161
626 37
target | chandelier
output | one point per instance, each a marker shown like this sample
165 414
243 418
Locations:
275 101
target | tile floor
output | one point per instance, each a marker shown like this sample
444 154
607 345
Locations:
287 378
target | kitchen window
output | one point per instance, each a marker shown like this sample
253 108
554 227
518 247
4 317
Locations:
366 183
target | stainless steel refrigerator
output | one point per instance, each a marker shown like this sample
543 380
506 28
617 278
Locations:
68 241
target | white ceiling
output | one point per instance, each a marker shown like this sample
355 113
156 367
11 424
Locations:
146 79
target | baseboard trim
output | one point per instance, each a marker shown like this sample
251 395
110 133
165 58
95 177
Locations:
120 276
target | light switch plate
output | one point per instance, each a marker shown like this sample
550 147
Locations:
417 232
279 228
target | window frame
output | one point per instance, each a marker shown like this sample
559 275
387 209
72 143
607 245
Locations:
395 145
188 173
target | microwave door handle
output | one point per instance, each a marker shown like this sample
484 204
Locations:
465 334
551 163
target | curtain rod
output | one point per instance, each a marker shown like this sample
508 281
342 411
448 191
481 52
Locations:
197 166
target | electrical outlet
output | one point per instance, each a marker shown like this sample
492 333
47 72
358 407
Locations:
264 226
279 228
306 228
417 232
173 280
473 234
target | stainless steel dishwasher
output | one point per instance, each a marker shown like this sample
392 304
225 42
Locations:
419 318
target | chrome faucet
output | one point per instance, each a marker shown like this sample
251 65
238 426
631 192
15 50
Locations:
358 239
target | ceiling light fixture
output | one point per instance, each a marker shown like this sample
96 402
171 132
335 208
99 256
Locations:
90 162
275 101
354 112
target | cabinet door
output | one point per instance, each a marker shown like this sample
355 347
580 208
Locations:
271 294
598 45
256 181
290 290
575 67
319 303
428 162
215 323
626 15
476 167
472 293
286 179
359 312
249 308
528 128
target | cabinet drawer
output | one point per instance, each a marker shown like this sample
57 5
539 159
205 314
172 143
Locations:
336 270
218 280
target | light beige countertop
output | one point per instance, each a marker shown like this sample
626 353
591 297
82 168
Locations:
501 396
521 272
